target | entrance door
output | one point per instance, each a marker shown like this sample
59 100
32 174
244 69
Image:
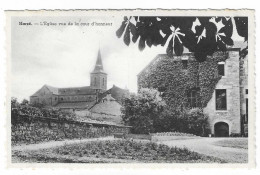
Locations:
221 129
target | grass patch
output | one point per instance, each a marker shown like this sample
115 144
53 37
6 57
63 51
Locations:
233 143
116 151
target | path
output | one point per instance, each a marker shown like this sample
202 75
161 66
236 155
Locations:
52 144
201 145
206 146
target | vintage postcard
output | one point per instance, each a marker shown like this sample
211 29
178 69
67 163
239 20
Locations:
167 88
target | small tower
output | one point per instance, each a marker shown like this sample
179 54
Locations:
98 78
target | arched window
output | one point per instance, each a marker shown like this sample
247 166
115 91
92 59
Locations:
103 81
95 81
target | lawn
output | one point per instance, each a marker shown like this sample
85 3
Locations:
115 151
233 143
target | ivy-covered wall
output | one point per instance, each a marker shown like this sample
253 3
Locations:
30 130
174 81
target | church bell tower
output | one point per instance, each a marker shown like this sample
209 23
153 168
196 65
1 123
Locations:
98 78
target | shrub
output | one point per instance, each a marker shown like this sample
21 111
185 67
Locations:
172 134
196 122
192 121
235 135
141 110
147 112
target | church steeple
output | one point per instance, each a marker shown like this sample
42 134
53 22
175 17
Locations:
99 64
98 76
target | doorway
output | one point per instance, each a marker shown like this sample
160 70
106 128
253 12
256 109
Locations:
221 129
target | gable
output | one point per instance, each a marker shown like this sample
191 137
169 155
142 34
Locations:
107 105
42 91
117 93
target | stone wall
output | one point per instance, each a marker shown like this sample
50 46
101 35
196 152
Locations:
34 130
243 83
230 82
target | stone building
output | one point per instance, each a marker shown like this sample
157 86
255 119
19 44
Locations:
79 98
228 104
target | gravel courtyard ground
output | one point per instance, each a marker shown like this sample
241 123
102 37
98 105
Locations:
233 150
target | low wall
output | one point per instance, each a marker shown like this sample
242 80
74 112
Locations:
168 138
38 129
139 136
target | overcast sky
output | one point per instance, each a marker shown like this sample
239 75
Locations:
64 56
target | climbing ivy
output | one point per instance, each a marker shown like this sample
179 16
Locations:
174 81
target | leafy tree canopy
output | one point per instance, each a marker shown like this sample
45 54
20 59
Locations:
25 102
141 110
209 35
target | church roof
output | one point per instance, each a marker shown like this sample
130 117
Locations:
99 65
75 105
77 90
85 90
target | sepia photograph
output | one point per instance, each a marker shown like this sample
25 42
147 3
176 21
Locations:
94 87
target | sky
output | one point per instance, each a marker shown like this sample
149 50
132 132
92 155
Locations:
64 56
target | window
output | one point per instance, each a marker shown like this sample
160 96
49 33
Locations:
246 110
246 91
95 81
103 81
184 64
193 100
221 69
221 99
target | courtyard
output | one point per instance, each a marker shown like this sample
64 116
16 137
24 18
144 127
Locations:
113 150
232 150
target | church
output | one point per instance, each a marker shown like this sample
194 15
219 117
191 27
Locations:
83 98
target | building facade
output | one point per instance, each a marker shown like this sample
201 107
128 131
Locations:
227 104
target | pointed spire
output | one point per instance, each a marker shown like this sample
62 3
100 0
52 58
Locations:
99 64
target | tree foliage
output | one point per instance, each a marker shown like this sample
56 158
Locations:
192 121
147 113
209 35
141 110
25 102
25 109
